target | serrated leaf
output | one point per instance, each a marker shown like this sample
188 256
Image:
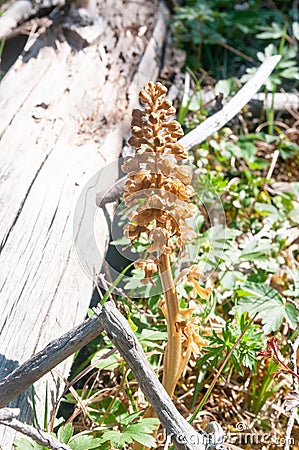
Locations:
150 337
295 27
129 418
85 442
259 298
114 436
141 431
291 73
147 425
65 433
291 314
143 439
265 209
258 249
295 188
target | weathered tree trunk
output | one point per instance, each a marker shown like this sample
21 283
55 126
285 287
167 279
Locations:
64 110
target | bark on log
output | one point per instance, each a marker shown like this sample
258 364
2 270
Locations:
63 115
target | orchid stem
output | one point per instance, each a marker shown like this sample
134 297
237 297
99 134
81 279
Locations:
173 355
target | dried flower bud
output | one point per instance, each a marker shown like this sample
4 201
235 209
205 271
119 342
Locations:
149 266
144 97
156 177
178 133
184 174
153 118
166 104
160 237
130 164
178 151
133 231
137 113
170 111
173 125
137 131
136 122
159 141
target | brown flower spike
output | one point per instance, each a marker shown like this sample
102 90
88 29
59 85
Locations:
158 190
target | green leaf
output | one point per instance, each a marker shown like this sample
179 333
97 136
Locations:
144 439
275 31
295 188
141 431
115 437
294 215
65 433
149 338
130 320
226 87
129 418
295 27
258 249
229 279
291 73
85 442
259 298
291 315
265 209
109 363
26 444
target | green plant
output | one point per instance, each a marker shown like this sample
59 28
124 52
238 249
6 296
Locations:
259 298
244 354
262 387
219 35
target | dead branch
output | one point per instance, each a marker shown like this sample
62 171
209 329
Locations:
8 418
218 120
108 318
57 351
183 436
282 101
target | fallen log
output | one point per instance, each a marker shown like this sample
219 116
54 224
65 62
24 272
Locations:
63 115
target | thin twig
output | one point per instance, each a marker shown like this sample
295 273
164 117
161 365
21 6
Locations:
207 394
120 333
7 417
20 11
273 164
57 351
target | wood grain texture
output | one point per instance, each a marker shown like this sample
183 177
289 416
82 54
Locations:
63 116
